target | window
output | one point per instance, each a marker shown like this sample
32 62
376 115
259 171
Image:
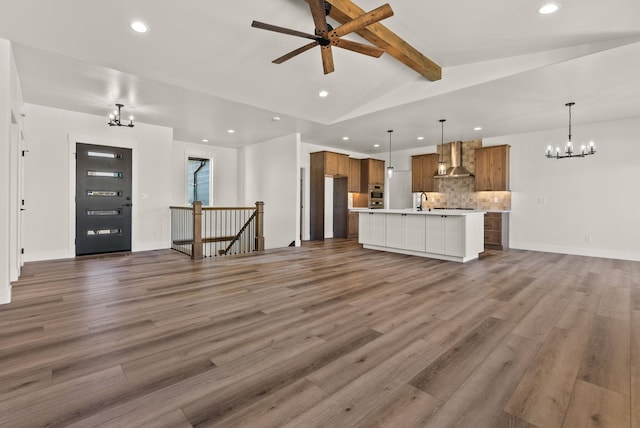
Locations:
198 180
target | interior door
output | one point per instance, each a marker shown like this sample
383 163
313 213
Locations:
103 199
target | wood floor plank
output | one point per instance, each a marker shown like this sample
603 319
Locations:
443 376
606 361
326 334
635 396
538 323
616 303
505 420
408 408
543 394
365 394
593 406
474 404
635 338
275 409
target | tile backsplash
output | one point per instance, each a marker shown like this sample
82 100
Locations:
459 192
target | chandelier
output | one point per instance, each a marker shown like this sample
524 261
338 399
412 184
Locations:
114 118
569 151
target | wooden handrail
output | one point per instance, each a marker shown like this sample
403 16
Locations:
212 208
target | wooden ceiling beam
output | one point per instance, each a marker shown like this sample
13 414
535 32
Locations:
379 35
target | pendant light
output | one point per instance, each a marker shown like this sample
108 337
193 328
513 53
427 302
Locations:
442 167
390 168
114 118
585 150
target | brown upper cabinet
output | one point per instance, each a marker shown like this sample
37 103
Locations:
335 164
492 168
423 168
371 172
354 175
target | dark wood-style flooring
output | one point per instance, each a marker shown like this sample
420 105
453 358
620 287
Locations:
326 335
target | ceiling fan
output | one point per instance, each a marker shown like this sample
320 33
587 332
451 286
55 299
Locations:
325 36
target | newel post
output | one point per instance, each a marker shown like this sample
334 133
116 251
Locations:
259 226
196 247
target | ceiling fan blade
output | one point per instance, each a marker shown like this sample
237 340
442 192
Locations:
269 27
358 47
319 16
291 54
327 59
364 20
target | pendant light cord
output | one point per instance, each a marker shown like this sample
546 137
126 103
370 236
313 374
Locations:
442 140
569 105
390 131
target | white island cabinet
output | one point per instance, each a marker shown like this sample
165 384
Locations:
371 228
441 234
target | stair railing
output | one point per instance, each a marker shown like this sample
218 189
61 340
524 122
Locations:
210 231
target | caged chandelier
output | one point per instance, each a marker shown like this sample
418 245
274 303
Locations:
114 118
569 151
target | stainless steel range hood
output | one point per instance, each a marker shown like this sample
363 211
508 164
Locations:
456 170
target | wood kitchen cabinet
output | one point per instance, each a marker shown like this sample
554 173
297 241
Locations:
496 231
336 164
423 169
492 168
353 225
371 172
354 175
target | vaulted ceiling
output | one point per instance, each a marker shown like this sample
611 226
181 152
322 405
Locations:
201 69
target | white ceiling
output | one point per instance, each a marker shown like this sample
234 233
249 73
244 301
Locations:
201 69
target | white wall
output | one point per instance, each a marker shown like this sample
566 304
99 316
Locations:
271 174
398 188
11 105
5 178
50 171
225 172
559 204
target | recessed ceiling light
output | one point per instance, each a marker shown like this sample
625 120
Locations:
549 8
420 138
345 138
139 27
376 145
276 118
204 140
231 131
323 94
478 128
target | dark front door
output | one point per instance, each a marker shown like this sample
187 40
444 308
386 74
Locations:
103 199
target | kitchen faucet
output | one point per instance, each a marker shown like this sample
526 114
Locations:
425 199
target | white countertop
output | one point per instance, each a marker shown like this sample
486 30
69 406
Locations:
415 211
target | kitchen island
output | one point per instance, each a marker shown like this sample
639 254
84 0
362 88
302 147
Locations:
454 235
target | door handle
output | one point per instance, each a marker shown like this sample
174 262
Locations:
127 205
23 209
